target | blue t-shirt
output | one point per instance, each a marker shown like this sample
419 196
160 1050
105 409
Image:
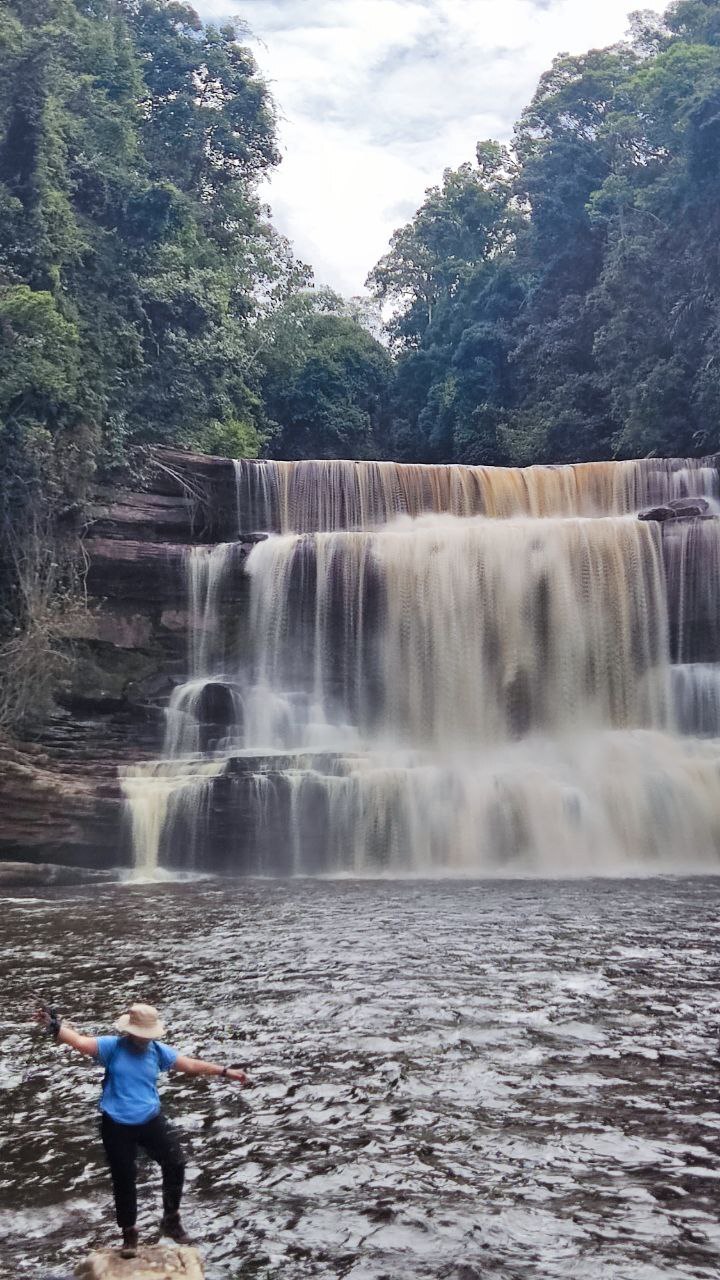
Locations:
130 1095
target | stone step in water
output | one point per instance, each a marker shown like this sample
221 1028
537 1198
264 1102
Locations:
158 1262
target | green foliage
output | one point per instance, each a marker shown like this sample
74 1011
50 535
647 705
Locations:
135 257
459 225
581 320
38 355
232 439
695 20
324 382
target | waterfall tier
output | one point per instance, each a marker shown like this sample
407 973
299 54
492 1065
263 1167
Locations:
441 632
484 684
308 497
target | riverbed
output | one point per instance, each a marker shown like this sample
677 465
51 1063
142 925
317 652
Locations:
451 1080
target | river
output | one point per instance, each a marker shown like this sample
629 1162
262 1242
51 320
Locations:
452 1080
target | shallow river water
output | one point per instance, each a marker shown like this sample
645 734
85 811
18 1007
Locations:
451 1080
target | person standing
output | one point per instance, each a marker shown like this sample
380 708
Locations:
131 1113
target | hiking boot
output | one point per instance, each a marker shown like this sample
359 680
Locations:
170 1225
130 1242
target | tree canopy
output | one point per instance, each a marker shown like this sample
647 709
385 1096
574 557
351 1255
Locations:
560 300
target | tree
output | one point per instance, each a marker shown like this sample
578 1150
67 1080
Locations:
441 270
461 223
583 323
324 380
660 287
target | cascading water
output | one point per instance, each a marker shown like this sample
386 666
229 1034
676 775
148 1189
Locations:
479 630
178 789
447 692
307 497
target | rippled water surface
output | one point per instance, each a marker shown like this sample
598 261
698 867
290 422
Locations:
452 1080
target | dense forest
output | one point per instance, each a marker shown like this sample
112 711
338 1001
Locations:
559 299
555 299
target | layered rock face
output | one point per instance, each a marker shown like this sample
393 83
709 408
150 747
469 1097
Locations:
60 797
358 694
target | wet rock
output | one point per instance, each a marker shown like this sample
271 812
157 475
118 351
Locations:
154 688
135 570
62 813
113 625
160 1262
106 681
147 516
175 620
689 506
688 513
678 509
207 481
219 710
657 513
23 875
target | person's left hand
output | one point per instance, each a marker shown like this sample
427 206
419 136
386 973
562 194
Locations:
234 1073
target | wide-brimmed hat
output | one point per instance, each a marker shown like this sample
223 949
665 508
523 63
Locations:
141 1020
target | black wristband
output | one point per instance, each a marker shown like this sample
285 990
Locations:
53 1026
224 1071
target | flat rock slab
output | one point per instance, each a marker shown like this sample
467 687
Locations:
22 875
159 1262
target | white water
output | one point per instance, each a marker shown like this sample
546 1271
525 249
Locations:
304 497
481 629
152 791
462 694
617 802
696 698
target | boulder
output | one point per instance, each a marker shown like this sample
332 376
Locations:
657 513
158 1262
689 506
219 710
678 509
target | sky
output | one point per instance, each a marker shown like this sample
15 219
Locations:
377 97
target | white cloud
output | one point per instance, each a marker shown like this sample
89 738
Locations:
377 97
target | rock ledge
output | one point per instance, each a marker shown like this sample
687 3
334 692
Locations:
159 1262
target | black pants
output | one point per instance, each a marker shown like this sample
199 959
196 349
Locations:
121 1142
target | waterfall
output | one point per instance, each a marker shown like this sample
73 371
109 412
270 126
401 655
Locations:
162 796
462 670
611 802
696 698
692 553
446 632
307 497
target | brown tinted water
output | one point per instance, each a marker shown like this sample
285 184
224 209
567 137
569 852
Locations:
452 1080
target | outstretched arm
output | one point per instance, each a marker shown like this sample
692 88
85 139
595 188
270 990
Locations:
67 1035
198 1067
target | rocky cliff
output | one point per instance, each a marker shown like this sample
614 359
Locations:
59 795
